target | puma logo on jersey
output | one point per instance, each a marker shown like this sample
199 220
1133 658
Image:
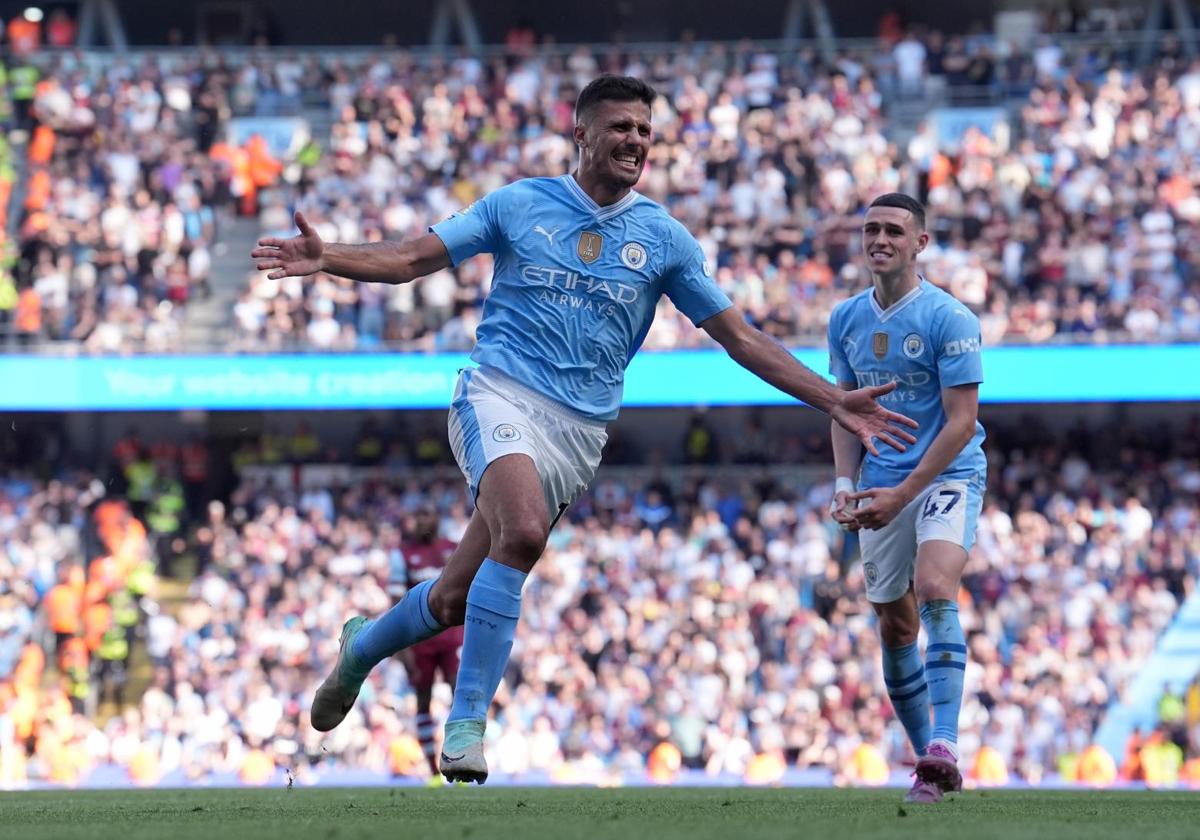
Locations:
549 234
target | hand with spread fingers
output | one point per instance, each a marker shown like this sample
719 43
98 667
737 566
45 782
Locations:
859 413
295 257
885 504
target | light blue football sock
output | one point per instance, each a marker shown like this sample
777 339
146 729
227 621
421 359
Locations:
408 622
493 607
904 676
945 664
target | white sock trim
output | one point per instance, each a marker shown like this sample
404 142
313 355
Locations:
953 748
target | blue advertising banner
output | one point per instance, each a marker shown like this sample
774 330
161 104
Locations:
284 135
400 380
950 124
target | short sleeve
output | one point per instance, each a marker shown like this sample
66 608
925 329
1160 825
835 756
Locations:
476 229
688 279
959 360
839 362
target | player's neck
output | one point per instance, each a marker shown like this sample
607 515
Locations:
891 288
598 191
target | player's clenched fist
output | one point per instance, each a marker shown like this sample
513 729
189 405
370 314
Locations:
885 505
841 508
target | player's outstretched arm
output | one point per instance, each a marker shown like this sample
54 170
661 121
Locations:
857 411
377 262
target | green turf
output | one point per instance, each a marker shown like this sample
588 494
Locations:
565 813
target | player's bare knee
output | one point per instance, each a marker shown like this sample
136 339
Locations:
522 543
448 603
896 627
935 590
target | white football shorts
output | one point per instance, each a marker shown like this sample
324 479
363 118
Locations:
493 415
947 510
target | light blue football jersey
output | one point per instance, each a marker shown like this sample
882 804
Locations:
575 285
924 342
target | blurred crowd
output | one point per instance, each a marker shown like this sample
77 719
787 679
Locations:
77 581
128 176
1076 220
1166 748
703 618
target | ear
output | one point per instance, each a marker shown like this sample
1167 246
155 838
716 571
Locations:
580 133
922 241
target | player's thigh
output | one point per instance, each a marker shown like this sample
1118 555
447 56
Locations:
940 565
889 556
498 448
945 534
484 425
511 498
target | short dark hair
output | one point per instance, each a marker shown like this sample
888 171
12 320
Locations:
612 88
904 202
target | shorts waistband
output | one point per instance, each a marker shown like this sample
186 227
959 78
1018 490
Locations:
539 399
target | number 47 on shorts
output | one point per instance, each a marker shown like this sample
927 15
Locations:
940 504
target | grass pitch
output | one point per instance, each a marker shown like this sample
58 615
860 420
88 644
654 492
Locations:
567 813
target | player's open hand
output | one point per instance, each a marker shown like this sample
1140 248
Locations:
884 505
861 414
295 257
841 510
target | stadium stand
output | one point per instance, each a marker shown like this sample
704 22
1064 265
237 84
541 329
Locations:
701 617
704 620
1072 226
1070 220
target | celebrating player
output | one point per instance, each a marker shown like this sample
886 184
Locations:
916 508
424 557
580 264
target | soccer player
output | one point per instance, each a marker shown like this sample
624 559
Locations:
581 261
915 510
424 556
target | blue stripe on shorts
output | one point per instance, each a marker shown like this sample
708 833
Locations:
472 444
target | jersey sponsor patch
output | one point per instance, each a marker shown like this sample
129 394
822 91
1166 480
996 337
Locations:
879 344
589 246
962 345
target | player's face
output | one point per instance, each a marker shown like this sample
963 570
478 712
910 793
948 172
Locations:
891 240
614 142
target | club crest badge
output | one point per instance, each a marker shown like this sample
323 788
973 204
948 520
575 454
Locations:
505 433
589 246
913 346
633 255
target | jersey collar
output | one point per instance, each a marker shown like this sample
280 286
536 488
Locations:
603 214
891 311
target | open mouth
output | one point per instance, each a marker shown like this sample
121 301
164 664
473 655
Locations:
625 160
